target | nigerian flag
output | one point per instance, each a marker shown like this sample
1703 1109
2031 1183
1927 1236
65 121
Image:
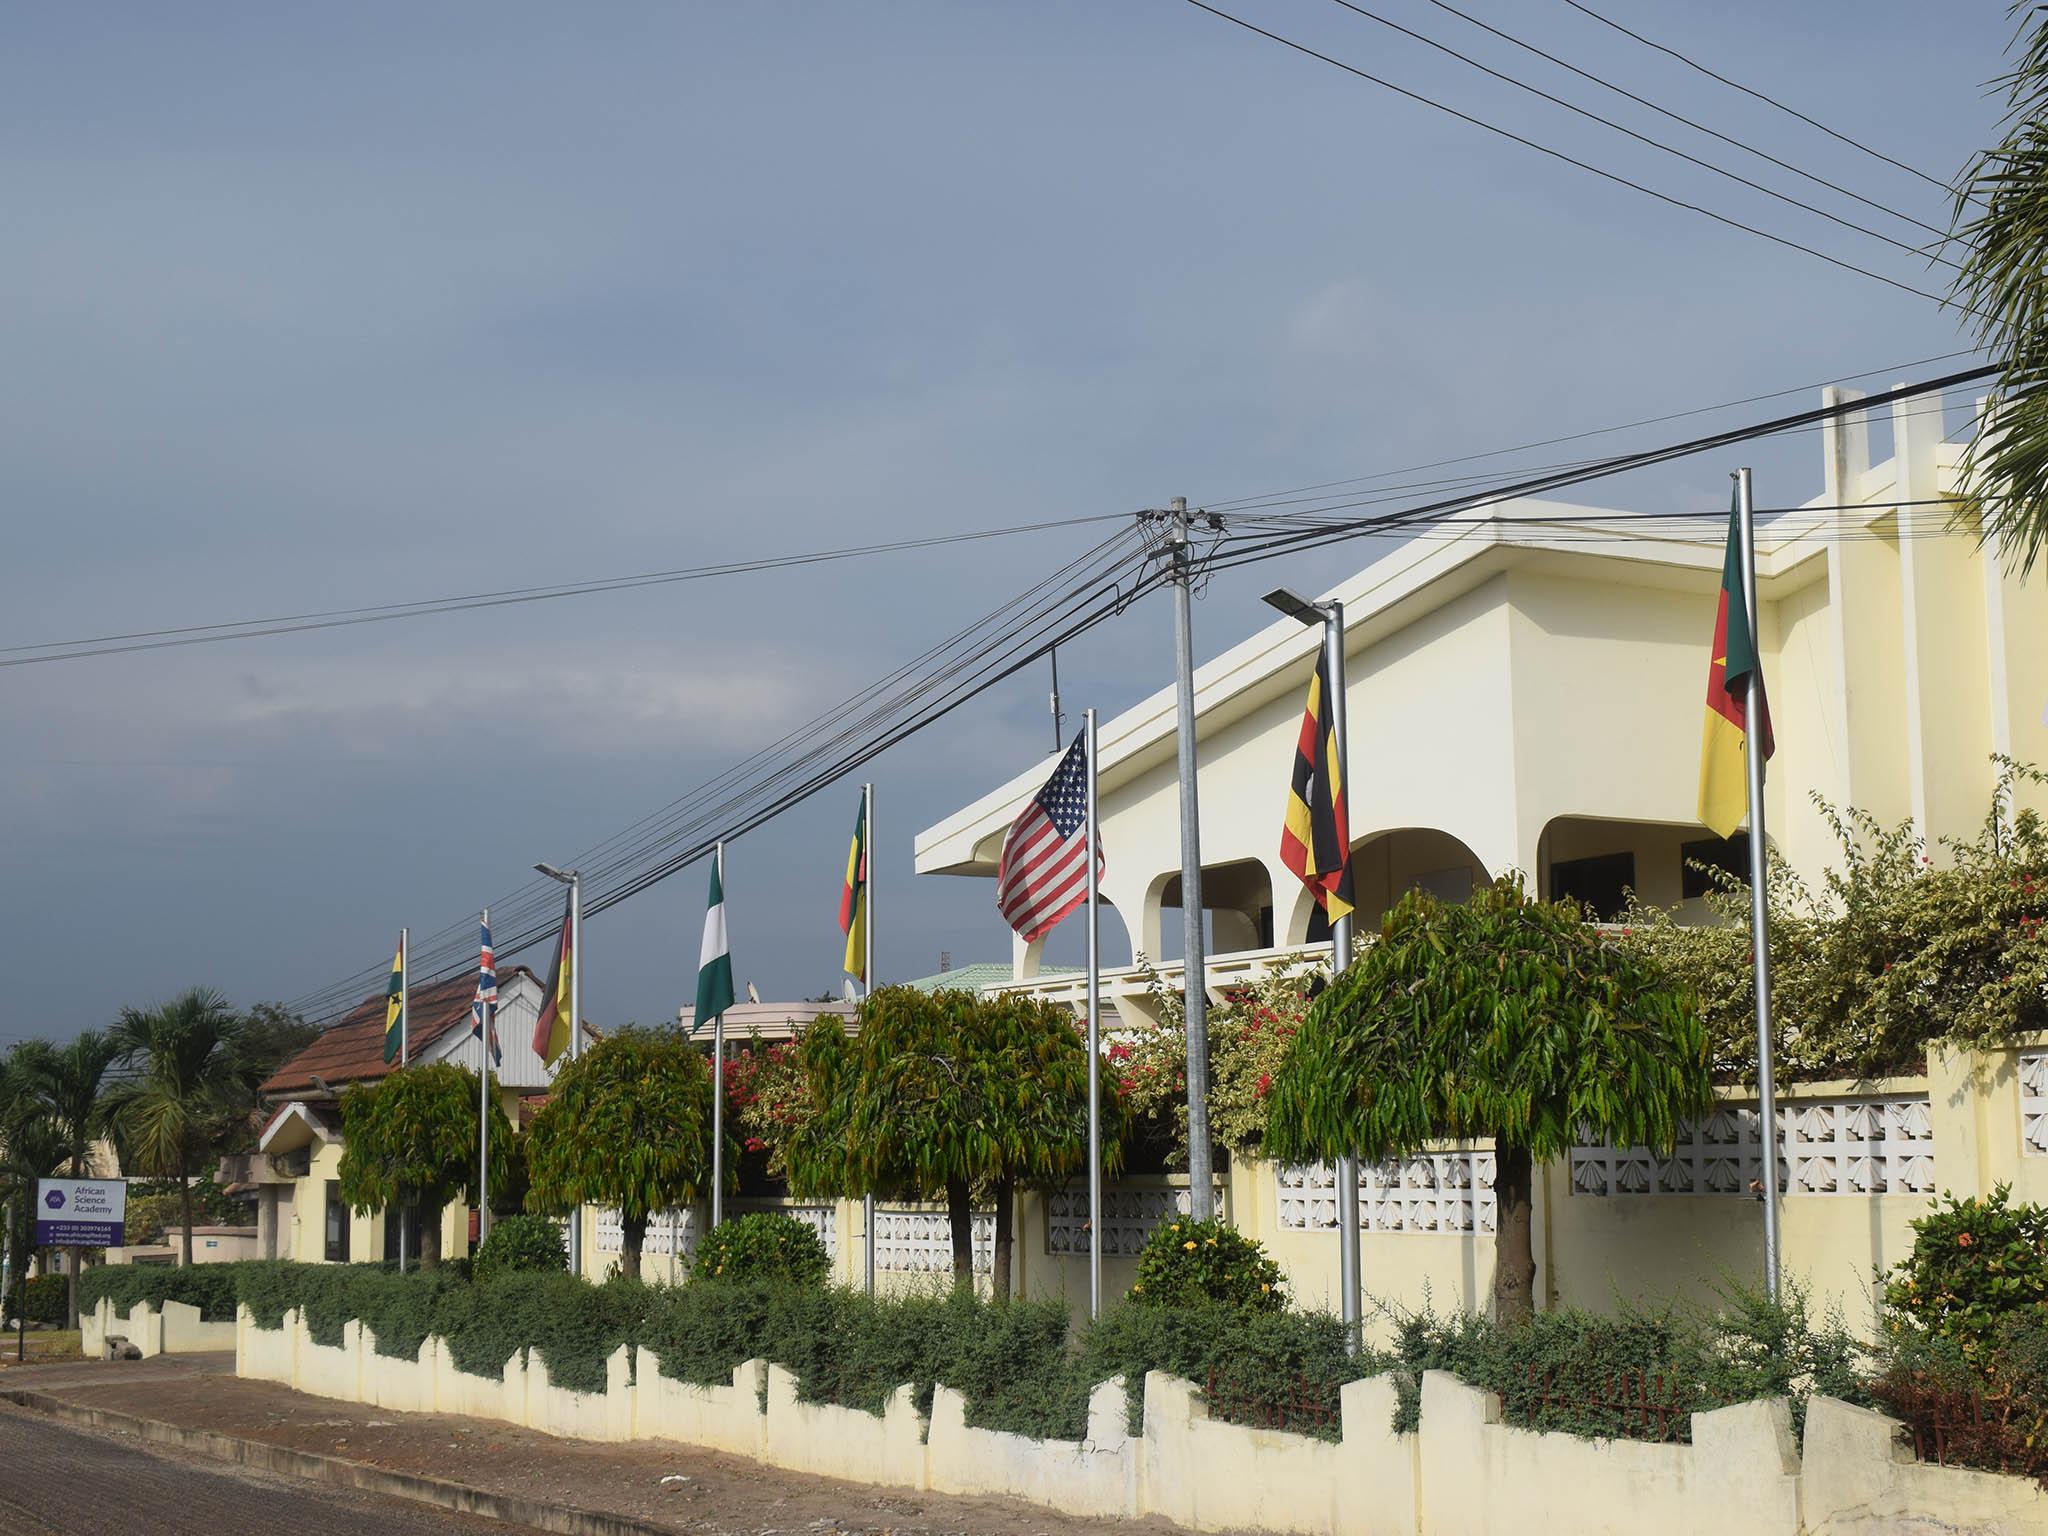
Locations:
714 964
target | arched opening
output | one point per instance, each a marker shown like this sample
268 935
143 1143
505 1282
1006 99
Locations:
1237 908
1598 862
1387 865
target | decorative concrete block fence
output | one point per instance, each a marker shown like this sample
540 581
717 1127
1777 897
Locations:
176 1329
1465 1473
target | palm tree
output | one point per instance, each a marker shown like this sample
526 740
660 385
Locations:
187 1086
2000 229
69 1084
30 1149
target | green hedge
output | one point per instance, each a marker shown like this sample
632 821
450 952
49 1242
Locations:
1025 1367
209 1287
45 1300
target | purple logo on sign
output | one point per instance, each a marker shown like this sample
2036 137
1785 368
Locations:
54 1199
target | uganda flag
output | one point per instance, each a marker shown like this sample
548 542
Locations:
853 898
1315 842
557 1011
394 1006
1724 785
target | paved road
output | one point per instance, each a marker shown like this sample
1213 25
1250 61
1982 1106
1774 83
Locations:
59 1481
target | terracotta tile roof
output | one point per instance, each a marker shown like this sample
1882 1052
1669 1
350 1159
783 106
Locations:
353 1050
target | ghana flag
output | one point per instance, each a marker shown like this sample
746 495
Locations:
557 1010
394 1006
1724 784
1316 836
853 898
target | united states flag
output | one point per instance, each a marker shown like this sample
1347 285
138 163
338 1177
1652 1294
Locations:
484 1011
1042 876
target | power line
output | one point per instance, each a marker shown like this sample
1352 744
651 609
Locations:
876 719
333 618
1768 100
1642 138
1558 154
1698 127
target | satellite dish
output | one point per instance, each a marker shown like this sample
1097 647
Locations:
753 993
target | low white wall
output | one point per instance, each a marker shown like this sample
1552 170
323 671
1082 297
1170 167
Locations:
176 1330
1464 1474
1859 1478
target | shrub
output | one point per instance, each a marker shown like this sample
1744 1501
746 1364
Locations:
521 1244
1974 1263
45 1300
1259 1365
1194 1262
209 1287
762 1246
1989 1411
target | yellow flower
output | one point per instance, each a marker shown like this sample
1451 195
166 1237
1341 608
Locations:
1189 1245
1137 1288
1212 1242
1264 1289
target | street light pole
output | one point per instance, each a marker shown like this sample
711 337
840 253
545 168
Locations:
1330 616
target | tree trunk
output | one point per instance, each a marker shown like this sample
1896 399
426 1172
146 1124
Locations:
1006 1201
960 1215
1514 1257
185 1198
633 1237
430 1235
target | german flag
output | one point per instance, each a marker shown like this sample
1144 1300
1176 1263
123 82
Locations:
853 898
1724 782
557 1013
1315 842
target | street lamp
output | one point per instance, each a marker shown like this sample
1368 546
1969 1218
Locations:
1330 616
574 880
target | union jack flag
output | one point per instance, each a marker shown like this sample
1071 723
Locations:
483 1012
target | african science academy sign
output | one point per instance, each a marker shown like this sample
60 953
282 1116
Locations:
80 1213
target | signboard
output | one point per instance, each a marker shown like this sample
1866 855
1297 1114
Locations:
80 1213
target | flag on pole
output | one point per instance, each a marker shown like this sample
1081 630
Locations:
1724 783
714 961
1315 839
853 898
551 1031
1043 874
484 1011
394 1005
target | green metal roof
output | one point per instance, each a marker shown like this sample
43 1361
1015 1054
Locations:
972 978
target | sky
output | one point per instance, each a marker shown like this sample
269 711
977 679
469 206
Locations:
315 307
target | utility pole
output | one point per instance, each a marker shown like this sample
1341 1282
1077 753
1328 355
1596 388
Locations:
1195 971
1059 719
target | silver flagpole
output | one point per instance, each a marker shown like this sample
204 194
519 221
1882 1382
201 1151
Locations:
404 1032
1340 959
483 1109
1094 1042
1759 903
576 1036
718 1081
867 985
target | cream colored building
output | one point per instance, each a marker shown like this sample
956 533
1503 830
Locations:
1526 695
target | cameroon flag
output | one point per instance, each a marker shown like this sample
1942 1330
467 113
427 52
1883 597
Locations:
557 1010
394 1006
1315 841
1724 785
853 899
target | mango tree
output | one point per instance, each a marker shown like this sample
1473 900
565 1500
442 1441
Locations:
627 1124
1503 1018
412 1140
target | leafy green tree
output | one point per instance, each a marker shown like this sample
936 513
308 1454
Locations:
32 1146
947 1091
184 1089
70 1084
2000 232
412 1141
627 1124
1504 1018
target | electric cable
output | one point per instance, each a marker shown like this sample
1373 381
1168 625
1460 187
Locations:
1558 154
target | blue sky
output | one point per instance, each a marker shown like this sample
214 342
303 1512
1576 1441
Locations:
310 307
